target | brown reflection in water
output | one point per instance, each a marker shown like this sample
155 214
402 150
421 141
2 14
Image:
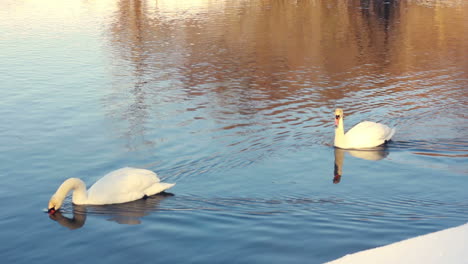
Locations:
251 56
280 46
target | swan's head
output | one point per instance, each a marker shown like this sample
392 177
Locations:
54 204
338 116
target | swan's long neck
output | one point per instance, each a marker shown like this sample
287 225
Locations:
340 140
78 187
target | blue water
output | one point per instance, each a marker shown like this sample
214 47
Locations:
234 102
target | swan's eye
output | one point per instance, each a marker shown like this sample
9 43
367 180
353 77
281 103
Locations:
337 116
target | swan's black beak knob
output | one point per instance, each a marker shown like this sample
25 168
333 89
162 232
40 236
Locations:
337 118
51 211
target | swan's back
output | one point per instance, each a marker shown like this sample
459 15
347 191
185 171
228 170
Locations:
124 185
368 134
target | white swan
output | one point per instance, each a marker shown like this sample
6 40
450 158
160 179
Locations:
362 136
119 186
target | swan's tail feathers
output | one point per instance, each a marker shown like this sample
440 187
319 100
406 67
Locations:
157 188
390 135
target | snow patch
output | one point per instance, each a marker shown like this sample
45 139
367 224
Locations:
446 246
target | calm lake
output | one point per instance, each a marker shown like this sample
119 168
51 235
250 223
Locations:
234 101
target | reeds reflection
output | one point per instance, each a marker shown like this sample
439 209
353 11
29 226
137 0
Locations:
373 155
127 213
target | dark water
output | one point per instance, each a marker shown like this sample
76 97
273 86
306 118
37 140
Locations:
233 101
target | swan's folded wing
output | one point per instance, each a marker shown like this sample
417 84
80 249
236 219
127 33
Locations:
123 185
368 134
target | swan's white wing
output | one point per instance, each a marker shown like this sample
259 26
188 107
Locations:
123 185
368 134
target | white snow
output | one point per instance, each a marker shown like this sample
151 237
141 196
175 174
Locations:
446 246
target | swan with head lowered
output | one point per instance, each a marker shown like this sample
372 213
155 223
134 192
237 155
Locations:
364 135
119 186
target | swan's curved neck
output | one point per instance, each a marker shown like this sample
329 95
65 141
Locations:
339 134
79 195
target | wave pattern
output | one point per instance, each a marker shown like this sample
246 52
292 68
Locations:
234 130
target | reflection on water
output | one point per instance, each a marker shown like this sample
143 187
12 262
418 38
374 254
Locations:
455 148
375 154
126 213
271 71
77 221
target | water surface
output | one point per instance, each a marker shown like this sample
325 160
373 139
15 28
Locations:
234 102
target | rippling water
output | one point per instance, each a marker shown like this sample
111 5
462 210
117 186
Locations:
233 101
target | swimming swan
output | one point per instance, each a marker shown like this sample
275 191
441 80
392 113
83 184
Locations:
119 186
362 136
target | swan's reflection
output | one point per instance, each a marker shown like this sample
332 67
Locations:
372 154
78 220
126 213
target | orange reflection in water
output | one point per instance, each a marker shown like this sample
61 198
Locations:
281 47
276 62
